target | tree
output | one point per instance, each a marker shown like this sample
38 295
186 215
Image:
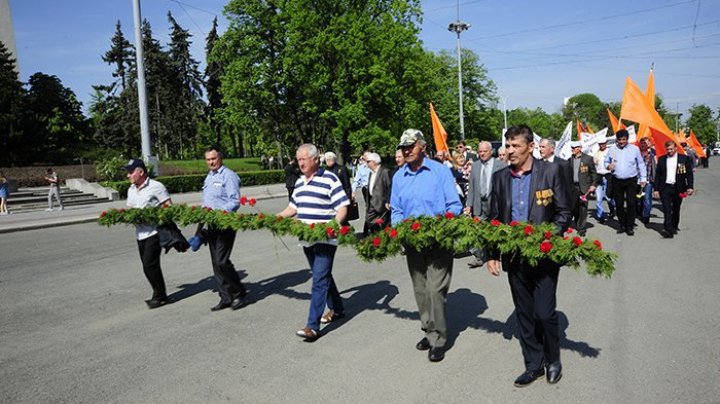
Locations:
213 72
586 108
121 55
702 123
11 107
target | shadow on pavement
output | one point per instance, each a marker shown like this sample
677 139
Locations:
371 296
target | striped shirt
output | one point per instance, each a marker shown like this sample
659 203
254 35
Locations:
318 200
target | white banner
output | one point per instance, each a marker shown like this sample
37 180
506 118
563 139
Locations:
589 141
562 147
632 138
536 140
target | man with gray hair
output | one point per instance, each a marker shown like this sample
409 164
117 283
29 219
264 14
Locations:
479 190
377 213
339 170
424 187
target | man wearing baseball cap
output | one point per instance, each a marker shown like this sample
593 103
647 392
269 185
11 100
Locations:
145 192
424 187
584 179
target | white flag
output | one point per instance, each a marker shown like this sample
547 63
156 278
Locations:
632 138
562 148
536 140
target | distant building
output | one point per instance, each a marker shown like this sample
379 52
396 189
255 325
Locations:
7 33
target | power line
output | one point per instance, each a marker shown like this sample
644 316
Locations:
189 16
446 7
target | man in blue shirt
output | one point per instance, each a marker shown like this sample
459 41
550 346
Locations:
628 169
424 187
221 191
534 191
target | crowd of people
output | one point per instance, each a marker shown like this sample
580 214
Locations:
511 186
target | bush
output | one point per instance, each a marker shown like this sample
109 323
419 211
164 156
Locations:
111 168
194 183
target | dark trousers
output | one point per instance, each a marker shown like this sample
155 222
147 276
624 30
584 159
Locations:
671 201
221 244
290 192
324 291
533 292
624 194
150 257
580 209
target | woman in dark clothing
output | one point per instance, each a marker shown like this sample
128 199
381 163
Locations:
292 174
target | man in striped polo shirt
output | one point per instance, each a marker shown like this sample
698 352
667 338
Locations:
318 198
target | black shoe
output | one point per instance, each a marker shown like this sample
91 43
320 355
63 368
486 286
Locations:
582 233
554 372
220 306
237 303
423 345
666 234
630 232
601 220
154 303
645 220
436 354
528 377
675 231
620 230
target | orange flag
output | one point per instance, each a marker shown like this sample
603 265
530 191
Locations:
660 138
580 129
695 144
439 133
616 126
635 107
681 137
644 130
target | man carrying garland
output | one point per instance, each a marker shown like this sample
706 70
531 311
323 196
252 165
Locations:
424 187
318 198
534 191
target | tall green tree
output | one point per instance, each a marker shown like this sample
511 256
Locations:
213 72
702 123
586 108
11 107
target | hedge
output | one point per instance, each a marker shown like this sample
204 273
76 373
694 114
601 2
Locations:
194 183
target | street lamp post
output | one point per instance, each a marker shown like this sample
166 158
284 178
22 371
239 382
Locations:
458 27
142 98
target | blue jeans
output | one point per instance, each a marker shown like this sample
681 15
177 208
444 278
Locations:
324 292
644 205
600 196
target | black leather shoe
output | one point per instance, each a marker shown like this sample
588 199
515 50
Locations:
666 234
220 306
675 231
554 372
630 232
237 303
528 377
620 230
423 345
582 233
436 354
154 303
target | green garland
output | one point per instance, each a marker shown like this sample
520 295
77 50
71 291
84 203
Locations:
458 234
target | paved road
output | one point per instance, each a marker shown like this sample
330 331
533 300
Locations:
74 328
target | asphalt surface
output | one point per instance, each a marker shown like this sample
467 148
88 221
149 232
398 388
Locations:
74 327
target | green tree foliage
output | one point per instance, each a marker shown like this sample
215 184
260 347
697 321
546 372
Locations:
11 106
588 109
702 123
542 123
213 71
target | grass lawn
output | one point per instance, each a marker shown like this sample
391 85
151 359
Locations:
199 166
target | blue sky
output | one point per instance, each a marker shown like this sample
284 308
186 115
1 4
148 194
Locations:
536 52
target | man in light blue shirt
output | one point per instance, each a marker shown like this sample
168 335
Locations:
627 167
424 187
221 191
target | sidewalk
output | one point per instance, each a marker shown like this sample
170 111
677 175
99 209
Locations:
89 213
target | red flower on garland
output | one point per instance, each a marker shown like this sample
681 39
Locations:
449 215
376 242
577 241
569 230
393 233
528 230
548 235
379 221
683 195
476 219
598 244
224 212
209 209
514 223
278 218
565 238
252 201
243 200
416 226
123 210
103 214
312 225
330 232
495 222
545 247
406 220
260 216
344 230
193 207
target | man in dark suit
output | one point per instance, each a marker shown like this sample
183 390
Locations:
378 203
547 153
531 190
479 187
674 176
585 179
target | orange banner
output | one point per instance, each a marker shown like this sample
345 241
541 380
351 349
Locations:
695 144
660 138
439 133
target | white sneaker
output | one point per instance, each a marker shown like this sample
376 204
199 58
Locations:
4 213
48 210
61 208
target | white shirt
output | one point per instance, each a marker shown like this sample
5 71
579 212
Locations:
150 194
373 177
550 159
600 162
671 169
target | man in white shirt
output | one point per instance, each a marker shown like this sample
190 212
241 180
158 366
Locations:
602 192
143 193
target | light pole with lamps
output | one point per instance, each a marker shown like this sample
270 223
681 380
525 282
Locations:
458 27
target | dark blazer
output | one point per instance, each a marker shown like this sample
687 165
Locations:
684 178
171 237
342 173
473 197
587 175
545 177
380 194
292 174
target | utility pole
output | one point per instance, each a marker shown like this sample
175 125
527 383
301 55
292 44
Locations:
142 96
458 27
502 137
